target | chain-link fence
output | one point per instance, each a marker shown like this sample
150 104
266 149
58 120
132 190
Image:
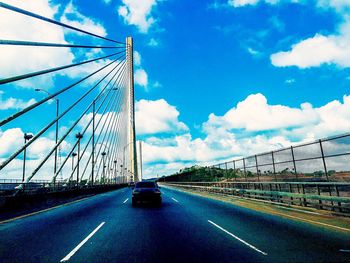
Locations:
322 160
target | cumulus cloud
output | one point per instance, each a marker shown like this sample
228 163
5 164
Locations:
140 74
14 103
255 114
252 126
317 50
137 58
141 78
320 49
239 3
138 13
153 42
20 27
157 117
73 17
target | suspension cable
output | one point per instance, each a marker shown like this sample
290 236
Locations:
33 106
44 44
49 20
46 71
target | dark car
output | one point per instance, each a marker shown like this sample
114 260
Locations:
146 192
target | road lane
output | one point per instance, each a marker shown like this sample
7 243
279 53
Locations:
179 231
49 236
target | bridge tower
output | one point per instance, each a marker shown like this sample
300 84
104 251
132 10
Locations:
131 110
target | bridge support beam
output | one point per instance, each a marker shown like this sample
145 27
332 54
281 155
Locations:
131 111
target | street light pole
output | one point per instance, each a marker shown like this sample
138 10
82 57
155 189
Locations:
27 137
104 166
79 136
115 171
56 128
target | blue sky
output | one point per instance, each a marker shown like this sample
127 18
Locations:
216 80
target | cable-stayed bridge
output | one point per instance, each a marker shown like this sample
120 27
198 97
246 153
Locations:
60 152
93 123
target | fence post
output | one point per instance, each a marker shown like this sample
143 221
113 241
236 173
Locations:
234 169
257 168
323 159
294 165
273 165
245 173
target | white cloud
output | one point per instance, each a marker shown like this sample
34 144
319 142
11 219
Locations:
289 81
252 126
140 74
315 51
157 117
253 51
81 21
239 3
138 13
20 27
320 49
153 42
10 139
14 103
141 78
255 114
137 58
107 1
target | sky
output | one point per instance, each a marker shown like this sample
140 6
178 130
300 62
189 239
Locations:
214 80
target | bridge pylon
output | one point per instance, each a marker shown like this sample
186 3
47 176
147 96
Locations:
131 110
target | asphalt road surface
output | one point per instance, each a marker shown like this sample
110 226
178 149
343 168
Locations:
187 228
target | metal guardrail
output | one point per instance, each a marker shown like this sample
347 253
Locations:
332 196
11 187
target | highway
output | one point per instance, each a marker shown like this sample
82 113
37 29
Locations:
187 228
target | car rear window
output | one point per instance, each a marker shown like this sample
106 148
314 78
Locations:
145 185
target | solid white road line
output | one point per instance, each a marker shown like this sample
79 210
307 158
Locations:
125 200
345 250
66 258
239 239
174 199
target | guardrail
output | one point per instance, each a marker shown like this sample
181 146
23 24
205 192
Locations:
332 196
14 187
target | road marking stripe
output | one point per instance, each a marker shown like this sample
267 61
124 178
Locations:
174 199
272 212
239 239
345 250
125 200
66 258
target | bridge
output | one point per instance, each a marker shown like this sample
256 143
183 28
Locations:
70 201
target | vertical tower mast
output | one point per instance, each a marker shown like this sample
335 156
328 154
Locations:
131 110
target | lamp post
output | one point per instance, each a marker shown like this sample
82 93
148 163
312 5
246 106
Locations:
27 137
104 165
79 136
56 131
73 155
115 171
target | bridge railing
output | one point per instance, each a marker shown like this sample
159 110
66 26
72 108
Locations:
332 196
15 187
